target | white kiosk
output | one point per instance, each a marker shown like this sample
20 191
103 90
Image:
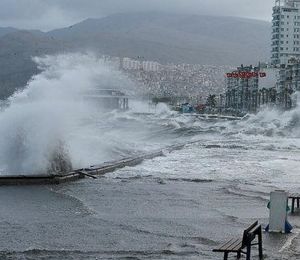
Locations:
278 212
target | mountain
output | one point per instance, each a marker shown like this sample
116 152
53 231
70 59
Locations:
162 37
173 38
7 30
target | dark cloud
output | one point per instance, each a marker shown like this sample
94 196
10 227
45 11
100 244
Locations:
49 14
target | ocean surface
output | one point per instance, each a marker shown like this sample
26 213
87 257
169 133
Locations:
178 206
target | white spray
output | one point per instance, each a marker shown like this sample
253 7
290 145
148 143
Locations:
36 128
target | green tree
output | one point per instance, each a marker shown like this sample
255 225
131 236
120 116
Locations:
211 101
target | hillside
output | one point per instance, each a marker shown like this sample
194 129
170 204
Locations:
174 38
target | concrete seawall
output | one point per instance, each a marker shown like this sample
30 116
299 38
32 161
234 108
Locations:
91 171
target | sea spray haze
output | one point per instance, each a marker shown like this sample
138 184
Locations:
36 129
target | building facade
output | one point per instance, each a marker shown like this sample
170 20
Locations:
285 31
242 86
288 83
250 87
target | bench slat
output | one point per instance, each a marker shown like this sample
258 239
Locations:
224 245
236 247
251 227
229 245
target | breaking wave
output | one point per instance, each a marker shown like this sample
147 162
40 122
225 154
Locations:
39 128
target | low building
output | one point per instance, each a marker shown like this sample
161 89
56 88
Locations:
242 88
288 83
249 87
108 99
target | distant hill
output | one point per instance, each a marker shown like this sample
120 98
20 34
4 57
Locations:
154 36
6 30
174 38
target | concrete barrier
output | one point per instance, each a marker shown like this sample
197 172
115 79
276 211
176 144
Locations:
91 171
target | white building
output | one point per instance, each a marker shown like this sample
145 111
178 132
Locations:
285 31
130 64
150 66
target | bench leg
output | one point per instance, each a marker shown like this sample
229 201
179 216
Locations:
298 203
238 255
260 249
225 255
248 254
293 205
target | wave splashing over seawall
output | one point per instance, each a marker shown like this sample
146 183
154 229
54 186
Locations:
36 128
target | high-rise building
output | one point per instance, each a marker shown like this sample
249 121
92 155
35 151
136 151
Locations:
285 31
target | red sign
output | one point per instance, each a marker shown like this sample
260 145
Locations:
246 75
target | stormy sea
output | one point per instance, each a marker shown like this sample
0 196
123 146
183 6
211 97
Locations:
177 206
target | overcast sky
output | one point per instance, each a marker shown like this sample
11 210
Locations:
50 14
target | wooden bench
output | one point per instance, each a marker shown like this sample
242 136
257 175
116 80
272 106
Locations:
236 245
294 197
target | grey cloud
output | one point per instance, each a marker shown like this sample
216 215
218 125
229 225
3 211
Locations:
49 14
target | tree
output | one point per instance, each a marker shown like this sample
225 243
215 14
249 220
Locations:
211 101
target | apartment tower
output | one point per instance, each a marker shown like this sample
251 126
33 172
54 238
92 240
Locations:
285 31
